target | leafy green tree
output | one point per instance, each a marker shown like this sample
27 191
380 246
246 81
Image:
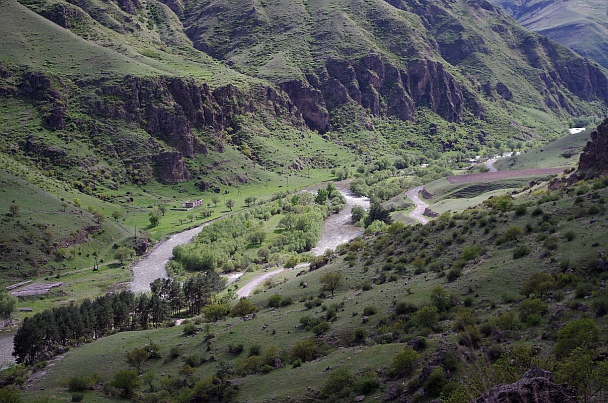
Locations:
539 284
403 362
332 280
357 213
291 261
154 219
427 316
583 333
531 307
322 196
250 200
77 203
127 382
215 312
148 378
123 253
7 304
305 350
377 212
136 357
65 205
338 383
162 208
230 204
99 217
215 200
257 236
243 308
587 376
264 254
441 299
116 214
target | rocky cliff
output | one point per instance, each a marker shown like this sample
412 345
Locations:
594 159
181 117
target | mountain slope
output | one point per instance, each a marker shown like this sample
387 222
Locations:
580 25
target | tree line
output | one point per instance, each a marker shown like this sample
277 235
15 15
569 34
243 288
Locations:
47 332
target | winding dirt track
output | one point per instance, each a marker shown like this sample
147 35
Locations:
413 194
417 213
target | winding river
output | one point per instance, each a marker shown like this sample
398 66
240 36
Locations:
337 229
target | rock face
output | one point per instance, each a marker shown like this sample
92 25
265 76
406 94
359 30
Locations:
535 386
380 88
594 159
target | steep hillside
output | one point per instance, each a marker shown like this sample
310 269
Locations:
582 25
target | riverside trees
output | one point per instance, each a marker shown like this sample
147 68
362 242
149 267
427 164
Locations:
46 331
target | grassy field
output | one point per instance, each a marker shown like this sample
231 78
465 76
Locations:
549 156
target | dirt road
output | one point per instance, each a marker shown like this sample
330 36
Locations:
417 213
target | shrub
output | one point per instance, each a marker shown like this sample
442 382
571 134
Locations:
521 251
338 383
570 235
275 301
190 329
427 316
77 397
513 233
369 310
305 350
435 382
79 384
403 362
367 285
530 311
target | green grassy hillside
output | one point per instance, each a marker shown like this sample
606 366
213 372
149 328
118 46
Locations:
469 269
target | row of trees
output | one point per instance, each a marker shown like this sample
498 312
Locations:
42 334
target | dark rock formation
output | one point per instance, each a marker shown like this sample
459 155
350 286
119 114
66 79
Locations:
169 168
504 91
594 159
309 102
535 386
38 87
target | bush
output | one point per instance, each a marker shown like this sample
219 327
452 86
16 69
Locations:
190 329
521 251
338 383
79 384
369 310
570 235
584 333
305 350
275 301
367 285
435 382
404 362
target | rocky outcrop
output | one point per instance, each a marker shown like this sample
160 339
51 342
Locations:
309 102
536 386
382 89
169 168
594 159
38 87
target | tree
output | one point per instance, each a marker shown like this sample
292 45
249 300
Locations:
123 253
322 195
243 308
256 237
587 376
77 203
14 209
332 280
583 333
116 214
427 316
539 283
99 217
7 304
190 217
137 357
377 212
291 261
357 213
127 382
404 361
250 200
215 200
162 208
154 219
65 205
230 204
